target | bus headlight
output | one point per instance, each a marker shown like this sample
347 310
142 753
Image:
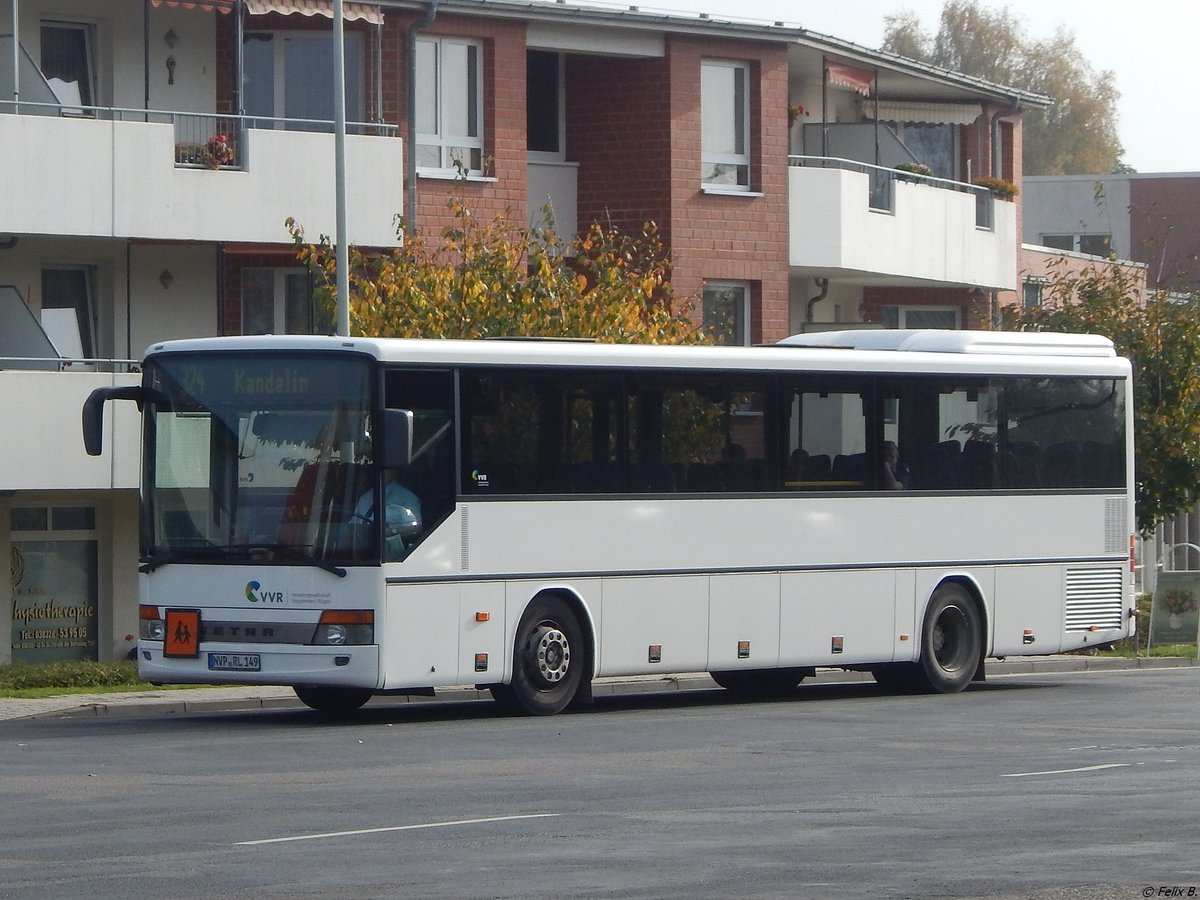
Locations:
341 627
151 627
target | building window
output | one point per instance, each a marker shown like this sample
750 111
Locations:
286 76
726 307
67 64
1031 292
544 105
68 310
921 317
725 125
450 105
935 145
280 301
1095 244
1090 244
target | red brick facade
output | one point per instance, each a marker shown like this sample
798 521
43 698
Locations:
633 127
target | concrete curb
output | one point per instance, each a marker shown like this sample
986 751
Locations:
238 699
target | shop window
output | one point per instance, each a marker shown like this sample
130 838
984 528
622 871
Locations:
54 583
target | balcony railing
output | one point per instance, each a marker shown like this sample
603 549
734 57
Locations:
68 364
882 196
202 140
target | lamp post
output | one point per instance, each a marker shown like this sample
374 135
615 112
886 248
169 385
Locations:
339 165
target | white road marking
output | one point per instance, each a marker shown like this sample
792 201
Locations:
332 834
1067 771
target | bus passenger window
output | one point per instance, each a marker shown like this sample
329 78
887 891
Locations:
826 432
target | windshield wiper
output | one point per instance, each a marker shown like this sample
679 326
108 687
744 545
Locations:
178 555
207 551
291 551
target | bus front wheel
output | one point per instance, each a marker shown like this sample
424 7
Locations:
951 640
334 701
548 660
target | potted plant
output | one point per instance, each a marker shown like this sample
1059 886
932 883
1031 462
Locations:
1000 188
795 111
218 151
908 169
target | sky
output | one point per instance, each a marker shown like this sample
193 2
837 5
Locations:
1152 47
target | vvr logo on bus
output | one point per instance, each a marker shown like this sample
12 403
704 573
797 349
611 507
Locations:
255 594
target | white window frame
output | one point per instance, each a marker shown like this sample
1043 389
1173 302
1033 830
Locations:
722 153
742 338
279 298
448 145
1033 289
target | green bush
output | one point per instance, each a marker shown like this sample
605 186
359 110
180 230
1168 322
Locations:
72 674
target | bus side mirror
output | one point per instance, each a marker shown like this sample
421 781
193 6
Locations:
397 438
93 412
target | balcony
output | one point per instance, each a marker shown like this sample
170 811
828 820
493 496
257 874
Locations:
44 450
861 222
146 174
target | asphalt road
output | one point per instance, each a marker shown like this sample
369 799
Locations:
1050 785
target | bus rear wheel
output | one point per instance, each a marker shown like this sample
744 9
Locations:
548 660
331 700
760 682
951 640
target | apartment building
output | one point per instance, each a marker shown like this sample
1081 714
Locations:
1149 218
153 150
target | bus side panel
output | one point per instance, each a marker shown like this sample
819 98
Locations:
743 609
821 612
421 636
484 650
1028 598
906 643
668 612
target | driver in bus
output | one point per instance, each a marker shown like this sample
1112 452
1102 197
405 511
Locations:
401 515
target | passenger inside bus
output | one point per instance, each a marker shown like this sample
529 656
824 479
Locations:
895 475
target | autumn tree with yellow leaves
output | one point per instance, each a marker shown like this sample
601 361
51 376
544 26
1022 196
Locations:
493 279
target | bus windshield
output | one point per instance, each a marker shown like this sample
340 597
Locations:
259 457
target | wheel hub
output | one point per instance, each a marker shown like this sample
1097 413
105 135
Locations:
552 653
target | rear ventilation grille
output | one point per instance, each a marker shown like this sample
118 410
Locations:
1095 598
465 533
1116 529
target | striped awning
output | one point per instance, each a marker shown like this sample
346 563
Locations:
351 11
933 113
223 6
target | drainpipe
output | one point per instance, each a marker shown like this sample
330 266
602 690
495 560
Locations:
823 284
997 166
16 59
410 215
998 171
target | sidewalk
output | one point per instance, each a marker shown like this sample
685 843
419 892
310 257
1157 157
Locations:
226 699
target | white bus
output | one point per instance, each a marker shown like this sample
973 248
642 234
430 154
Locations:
908 503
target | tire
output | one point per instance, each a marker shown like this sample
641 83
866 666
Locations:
332 701
760 682
549 657
951 640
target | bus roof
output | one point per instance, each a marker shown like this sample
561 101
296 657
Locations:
930 340
1016 353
